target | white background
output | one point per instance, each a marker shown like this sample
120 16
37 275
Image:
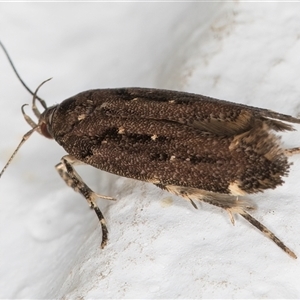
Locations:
159 246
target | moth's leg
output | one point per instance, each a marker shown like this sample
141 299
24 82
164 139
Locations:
269 234
182 194
232 205
71 177
292 151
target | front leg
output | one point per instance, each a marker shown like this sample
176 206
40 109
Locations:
71 177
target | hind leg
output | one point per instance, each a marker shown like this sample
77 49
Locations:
232 205
292 151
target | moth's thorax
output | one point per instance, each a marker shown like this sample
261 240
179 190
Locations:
61 119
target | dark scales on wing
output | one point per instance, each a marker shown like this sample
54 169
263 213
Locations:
174 144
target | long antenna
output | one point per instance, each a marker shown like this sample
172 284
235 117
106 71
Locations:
16 72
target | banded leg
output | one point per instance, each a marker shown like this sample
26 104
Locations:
292 151
71 177
232 205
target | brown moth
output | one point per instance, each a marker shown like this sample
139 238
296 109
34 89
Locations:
197 147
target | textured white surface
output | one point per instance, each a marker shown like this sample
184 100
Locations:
159 246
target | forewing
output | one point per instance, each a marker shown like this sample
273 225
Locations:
208 114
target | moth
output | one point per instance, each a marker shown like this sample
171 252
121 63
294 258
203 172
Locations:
193 146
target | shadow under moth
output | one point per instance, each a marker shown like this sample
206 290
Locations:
197 147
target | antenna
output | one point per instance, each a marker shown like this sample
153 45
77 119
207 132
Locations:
16 72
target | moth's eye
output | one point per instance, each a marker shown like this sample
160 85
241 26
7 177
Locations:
44 131
50 116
